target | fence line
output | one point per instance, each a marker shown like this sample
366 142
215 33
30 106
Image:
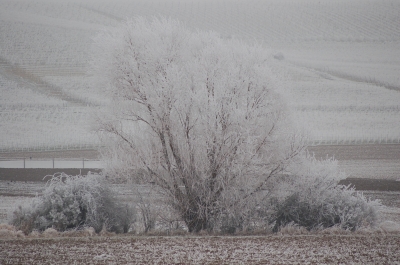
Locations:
49 163
327 140
45 148
353 141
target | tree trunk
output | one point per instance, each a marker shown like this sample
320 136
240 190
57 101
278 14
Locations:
195 218
195 225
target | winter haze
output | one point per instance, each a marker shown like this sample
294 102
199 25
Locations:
338 62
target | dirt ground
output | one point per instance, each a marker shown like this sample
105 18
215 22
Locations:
281 249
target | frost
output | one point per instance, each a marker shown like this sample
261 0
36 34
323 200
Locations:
73 202
390 227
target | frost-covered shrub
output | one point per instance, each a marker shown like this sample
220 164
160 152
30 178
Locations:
147 208
292 229
231 224
70 202
340 206
9 231
24 218
227 223
246 216
313 199
50 232
390 227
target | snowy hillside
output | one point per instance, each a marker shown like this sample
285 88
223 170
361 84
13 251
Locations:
338 62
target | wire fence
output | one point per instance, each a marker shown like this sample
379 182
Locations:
81 163
325 140
354 141
45 148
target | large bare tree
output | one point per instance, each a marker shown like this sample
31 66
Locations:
197 115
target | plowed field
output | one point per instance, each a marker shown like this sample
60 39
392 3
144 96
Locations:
301 249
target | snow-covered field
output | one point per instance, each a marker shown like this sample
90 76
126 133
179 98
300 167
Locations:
338 62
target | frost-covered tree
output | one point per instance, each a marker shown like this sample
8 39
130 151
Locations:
202 118
197 115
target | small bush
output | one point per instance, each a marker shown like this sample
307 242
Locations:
390 227
339 206
311 198
86 232
73 202
230 224
243 218
9 231
24 219
292 229
50 232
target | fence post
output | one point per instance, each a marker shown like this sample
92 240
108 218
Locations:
24 162
53 162
83 162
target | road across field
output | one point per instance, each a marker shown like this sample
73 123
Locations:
378 165
375 161
339 152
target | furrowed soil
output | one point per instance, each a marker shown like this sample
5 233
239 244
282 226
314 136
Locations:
283 249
